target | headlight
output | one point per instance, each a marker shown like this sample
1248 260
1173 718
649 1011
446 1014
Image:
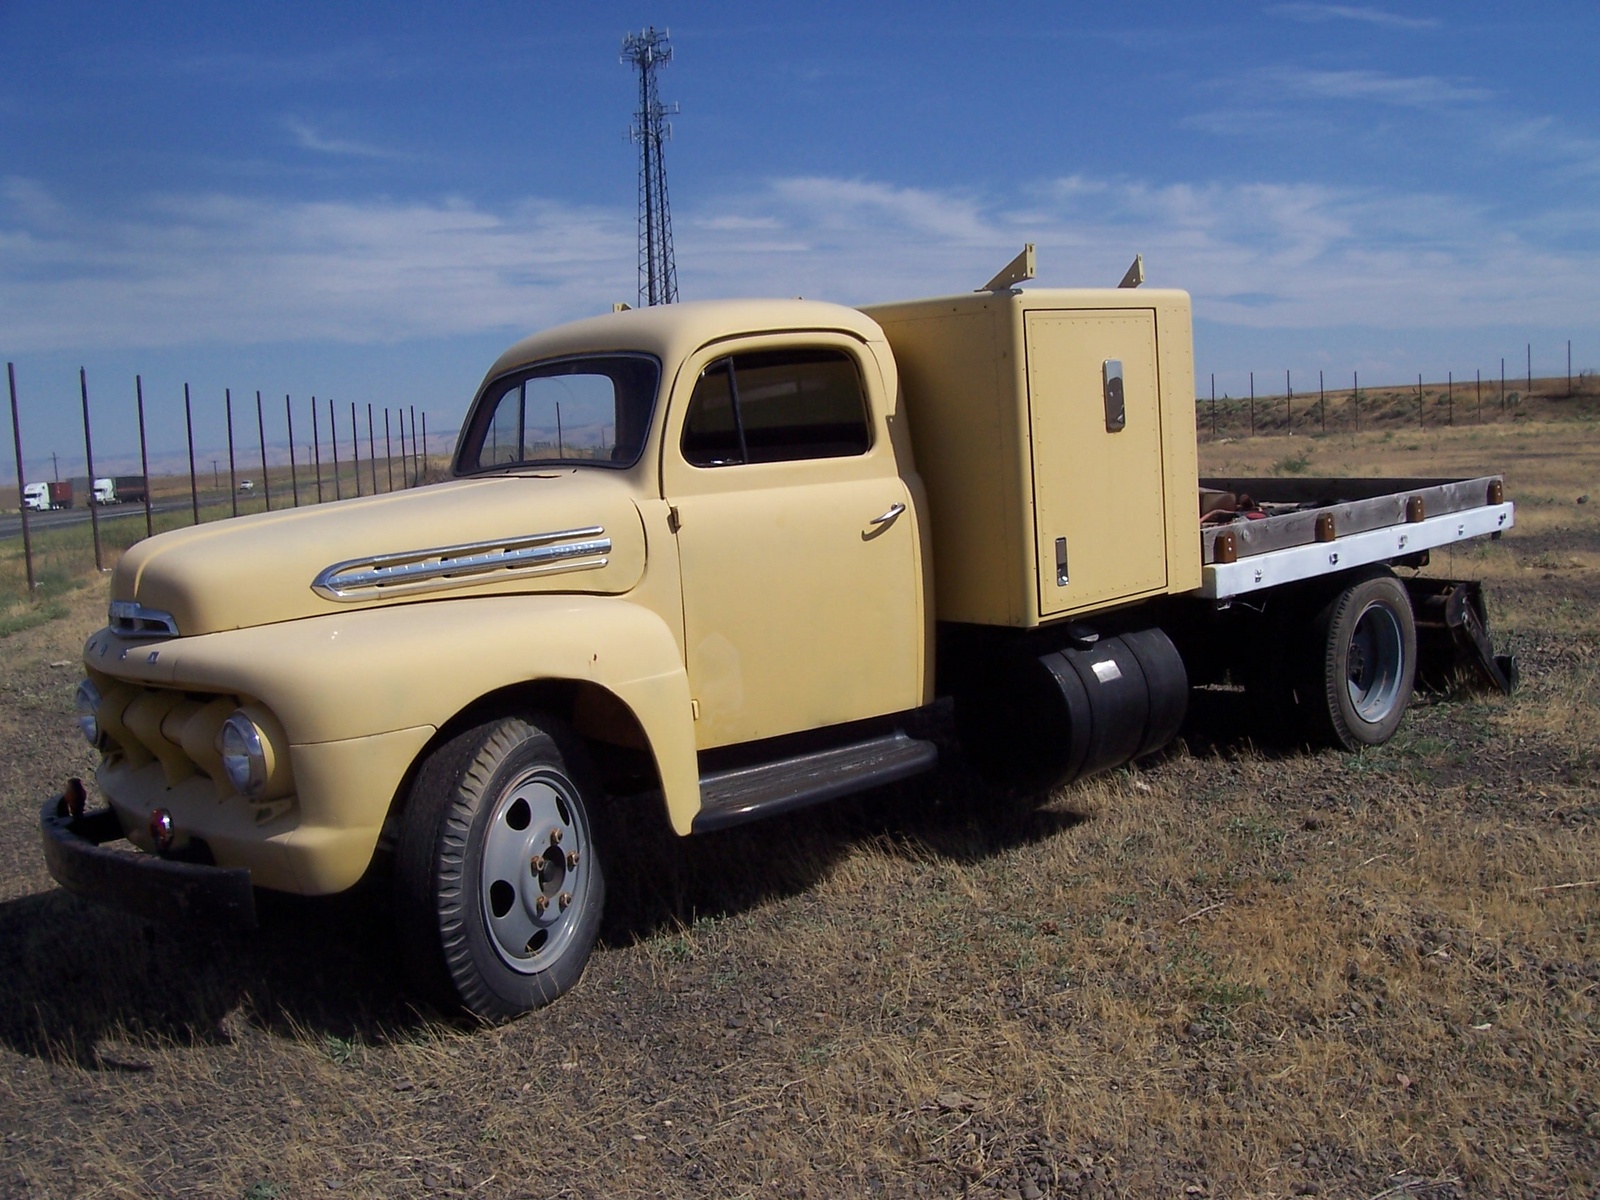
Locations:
244 756
87 702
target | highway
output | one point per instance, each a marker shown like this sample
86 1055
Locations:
11 522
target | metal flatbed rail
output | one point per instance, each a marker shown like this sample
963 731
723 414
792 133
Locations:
1395 518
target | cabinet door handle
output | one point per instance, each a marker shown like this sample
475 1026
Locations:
894 511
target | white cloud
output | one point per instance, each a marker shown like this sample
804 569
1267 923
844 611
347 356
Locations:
231 270
308 138
1347 12
1415 91
218 269
1544 139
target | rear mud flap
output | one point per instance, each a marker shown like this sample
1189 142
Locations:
1453 636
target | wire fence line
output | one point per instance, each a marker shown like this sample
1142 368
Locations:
1356 407
1332 406
331 465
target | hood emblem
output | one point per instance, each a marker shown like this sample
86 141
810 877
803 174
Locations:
406 572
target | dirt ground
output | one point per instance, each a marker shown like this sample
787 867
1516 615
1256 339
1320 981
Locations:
1232 970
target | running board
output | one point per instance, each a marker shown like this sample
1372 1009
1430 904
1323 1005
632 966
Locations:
748 793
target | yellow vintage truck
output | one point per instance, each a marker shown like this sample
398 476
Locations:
717 553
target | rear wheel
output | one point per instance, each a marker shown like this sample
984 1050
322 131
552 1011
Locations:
499 887
1362 677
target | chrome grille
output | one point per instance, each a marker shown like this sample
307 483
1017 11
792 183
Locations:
130 619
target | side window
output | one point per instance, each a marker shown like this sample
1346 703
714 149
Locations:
776 406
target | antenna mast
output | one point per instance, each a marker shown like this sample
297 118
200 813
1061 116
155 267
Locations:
658 277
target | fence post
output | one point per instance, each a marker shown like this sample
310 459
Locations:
294 471
188 422
22 482
355 445
416 472
1450 410
261 436
1322 402
372 452
144 460
333 441
1480 395
1421 422
1252 404
423 474
88 455
1530 369
1502 385
316 447
1288 400
1355 396
388 449
405 455
233 467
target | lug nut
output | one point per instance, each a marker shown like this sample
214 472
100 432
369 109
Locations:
555 837
566 899
572 860
542 903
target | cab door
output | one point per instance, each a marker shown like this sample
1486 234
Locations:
797 540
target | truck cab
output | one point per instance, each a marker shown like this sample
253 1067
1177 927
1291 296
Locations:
761 448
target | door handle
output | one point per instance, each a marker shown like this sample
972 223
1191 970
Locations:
894 511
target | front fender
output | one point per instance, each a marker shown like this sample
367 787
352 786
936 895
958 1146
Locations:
374 671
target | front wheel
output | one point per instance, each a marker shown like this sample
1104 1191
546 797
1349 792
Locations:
1362 677
499 888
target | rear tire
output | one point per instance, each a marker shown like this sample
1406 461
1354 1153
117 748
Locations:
499 888
1363 673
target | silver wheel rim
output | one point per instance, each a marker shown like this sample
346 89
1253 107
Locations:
534 878
1374 662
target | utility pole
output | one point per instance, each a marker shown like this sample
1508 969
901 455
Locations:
658 276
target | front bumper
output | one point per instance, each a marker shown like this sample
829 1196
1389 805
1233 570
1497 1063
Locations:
163 889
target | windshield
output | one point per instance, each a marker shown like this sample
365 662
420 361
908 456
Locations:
576 411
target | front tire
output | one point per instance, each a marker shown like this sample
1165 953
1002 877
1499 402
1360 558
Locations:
1362 677
499 888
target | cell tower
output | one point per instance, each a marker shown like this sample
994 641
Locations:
658 277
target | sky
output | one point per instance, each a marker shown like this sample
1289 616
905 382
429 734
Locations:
367 202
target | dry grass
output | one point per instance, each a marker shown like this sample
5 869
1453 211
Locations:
1232 971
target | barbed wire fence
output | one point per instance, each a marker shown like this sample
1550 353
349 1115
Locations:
294 473
291 474
1331 406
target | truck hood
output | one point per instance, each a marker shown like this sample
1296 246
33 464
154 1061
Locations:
554 531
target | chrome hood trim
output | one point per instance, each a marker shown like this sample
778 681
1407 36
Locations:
408 572
566 531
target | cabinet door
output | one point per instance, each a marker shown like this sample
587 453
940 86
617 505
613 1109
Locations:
797 545
1099 507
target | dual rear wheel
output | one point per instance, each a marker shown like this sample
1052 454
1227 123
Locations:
1338 668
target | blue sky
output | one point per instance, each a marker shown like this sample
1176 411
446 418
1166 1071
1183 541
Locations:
369 201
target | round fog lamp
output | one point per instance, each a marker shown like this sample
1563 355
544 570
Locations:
243 756
87 702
